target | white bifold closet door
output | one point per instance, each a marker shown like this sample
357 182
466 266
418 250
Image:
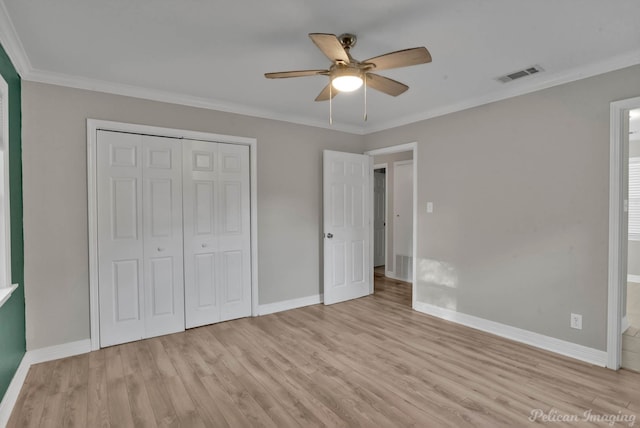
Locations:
217 246
140 249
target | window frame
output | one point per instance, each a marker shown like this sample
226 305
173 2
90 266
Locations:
6 286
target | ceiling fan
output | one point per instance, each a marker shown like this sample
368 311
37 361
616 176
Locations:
347 74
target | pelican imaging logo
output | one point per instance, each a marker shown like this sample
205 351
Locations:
553 415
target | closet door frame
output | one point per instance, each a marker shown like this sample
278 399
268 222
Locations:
93 125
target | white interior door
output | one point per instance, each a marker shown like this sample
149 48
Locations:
120 240
379 217
346 226
403 219
140 275
162 235
217 232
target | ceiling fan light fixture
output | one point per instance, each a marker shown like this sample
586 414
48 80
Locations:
346 79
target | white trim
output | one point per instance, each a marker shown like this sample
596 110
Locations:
13 391
286 305
617 230
12 44
5 215
6 292
406 147
80 82
633 278
384 165
562 347
92 127
56 352
625 324
391 275
253 193
34 357
536 83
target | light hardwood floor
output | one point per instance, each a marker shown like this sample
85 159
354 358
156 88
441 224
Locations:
368 362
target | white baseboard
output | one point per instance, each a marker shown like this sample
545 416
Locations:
625 323
286 305
11 395
36 356
633 278
51 353
391 275
562 347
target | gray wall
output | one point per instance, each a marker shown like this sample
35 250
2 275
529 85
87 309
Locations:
633 257
519 233
389 160
55 199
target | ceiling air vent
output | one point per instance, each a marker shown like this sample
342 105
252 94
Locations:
521 73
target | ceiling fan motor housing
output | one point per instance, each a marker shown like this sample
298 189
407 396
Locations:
347 40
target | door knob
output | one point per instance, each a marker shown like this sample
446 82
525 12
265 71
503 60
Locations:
329 235
204 245
160 249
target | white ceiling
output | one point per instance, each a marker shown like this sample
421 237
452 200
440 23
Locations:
214 53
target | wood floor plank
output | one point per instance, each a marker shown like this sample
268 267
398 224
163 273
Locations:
53 411
206 405
35 392
186 411
75 408
97 396
366 362
120 413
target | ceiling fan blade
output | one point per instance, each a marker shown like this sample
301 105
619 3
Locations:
330 46
324 95
403 58
386 85
296 73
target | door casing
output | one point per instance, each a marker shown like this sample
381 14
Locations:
384 166
618 237
413 146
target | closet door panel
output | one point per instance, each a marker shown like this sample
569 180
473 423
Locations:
120 241
234 241
205 272
163 262
201 270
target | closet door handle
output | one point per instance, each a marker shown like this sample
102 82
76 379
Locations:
204 245
160 249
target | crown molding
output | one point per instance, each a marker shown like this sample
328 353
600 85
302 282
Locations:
537 83
11 42
79 82
523 88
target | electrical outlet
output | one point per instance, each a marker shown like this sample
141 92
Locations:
576 321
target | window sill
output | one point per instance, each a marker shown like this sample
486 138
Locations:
5 293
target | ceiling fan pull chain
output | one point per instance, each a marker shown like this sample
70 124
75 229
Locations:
365 97
330 105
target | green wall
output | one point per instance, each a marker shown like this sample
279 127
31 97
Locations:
12 332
